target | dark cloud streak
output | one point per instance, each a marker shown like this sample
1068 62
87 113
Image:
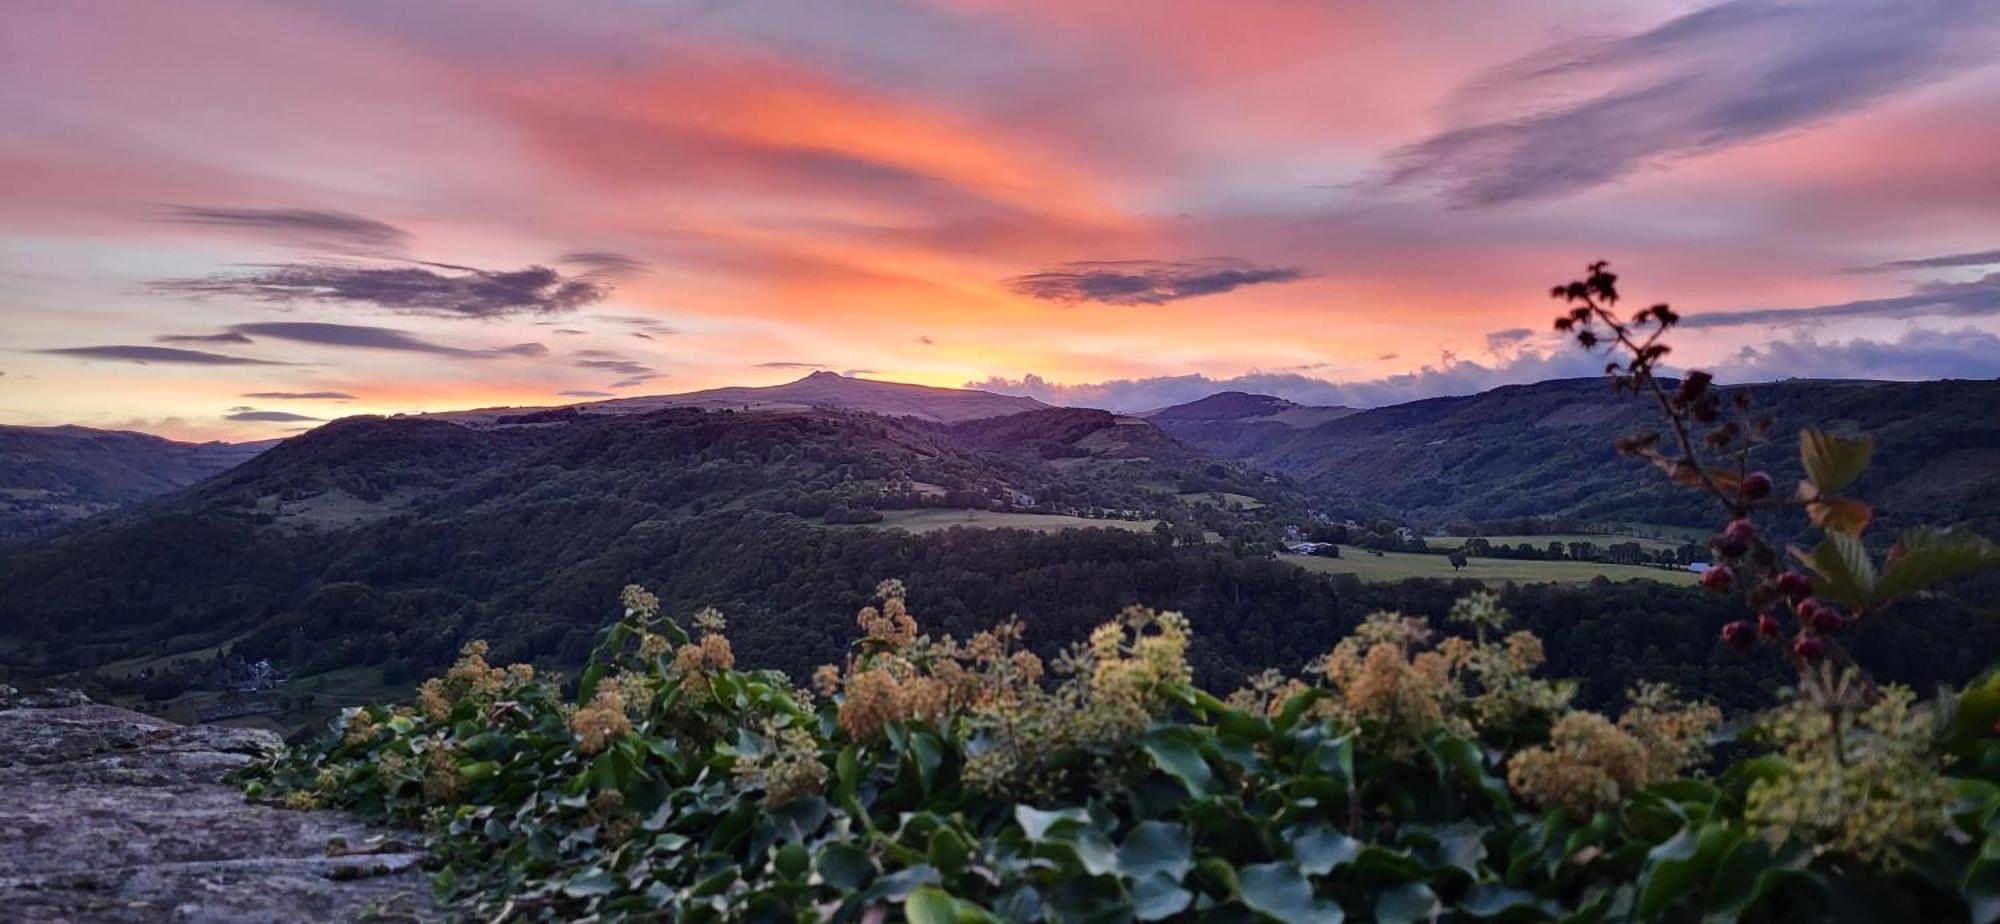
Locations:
1147 282
459 292
318 229
355 336
152 354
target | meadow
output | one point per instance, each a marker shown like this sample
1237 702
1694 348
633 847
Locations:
1396 566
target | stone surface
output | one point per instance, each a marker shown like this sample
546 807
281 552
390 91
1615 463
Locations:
110 815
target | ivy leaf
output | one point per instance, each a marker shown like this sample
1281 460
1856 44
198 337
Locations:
1319 849
1173 748
1925 557
1159 896
590 883
844 866
1833 462
1846 574
1039 824
1156 848
1279 890
948 851
930 905
1407 904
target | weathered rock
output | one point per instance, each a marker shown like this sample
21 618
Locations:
111 815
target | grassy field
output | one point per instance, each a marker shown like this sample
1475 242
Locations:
1242 501
1395 566
348 686
1598 539
923 521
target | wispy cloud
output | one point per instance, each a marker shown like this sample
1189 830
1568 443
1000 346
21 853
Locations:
1979 298
1580 114
1147 282
790 365
432 289
300 395
224 337
585 393
643 326
316 229
361 337
1948 261
605 263
153 354
253 414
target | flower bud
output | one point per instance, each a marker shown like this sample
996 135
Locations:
1808 647
1795 586
1738 635
1718 578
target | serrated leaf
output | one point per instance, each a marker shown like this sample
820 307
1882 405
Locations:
1840 515
1846 574
1833 462
1925 557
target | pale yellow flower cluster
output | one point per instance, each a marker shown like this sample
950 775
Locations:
602 722
360 728
1017 727
1395 694
787 768
1870 792
470 679
442 781
1588 765
1591 764
710 655
1674 731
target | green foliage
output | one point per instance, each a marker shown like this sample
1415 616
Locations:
674 785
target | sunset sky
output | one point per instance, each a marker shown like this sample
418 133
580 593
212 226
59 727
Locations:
230 220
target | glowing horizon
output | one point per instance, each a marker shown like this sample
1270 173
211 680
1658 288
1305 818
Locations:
219 214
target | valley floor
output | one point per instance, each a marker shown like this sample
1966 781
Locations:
1395 566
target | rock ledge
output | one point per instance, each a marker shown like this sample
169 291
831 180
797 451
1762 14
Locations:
110 815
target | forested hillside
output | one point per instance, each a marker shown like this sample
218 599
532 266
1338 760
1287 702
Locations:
1548 449
52 476
446 524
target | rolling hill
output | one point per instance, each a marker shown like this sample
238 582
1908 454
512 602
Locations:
817 390
443 524
1547 450
53 476
1241 425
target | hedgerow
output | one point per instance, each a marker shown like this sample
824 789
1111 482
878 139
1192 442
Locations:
1415 772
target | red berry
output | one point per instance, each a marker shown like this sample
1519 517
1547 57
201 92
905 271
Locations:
1808 647
1826 620
1718 578
1736 538
1794 585
1738 635
1756 486
1767 625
